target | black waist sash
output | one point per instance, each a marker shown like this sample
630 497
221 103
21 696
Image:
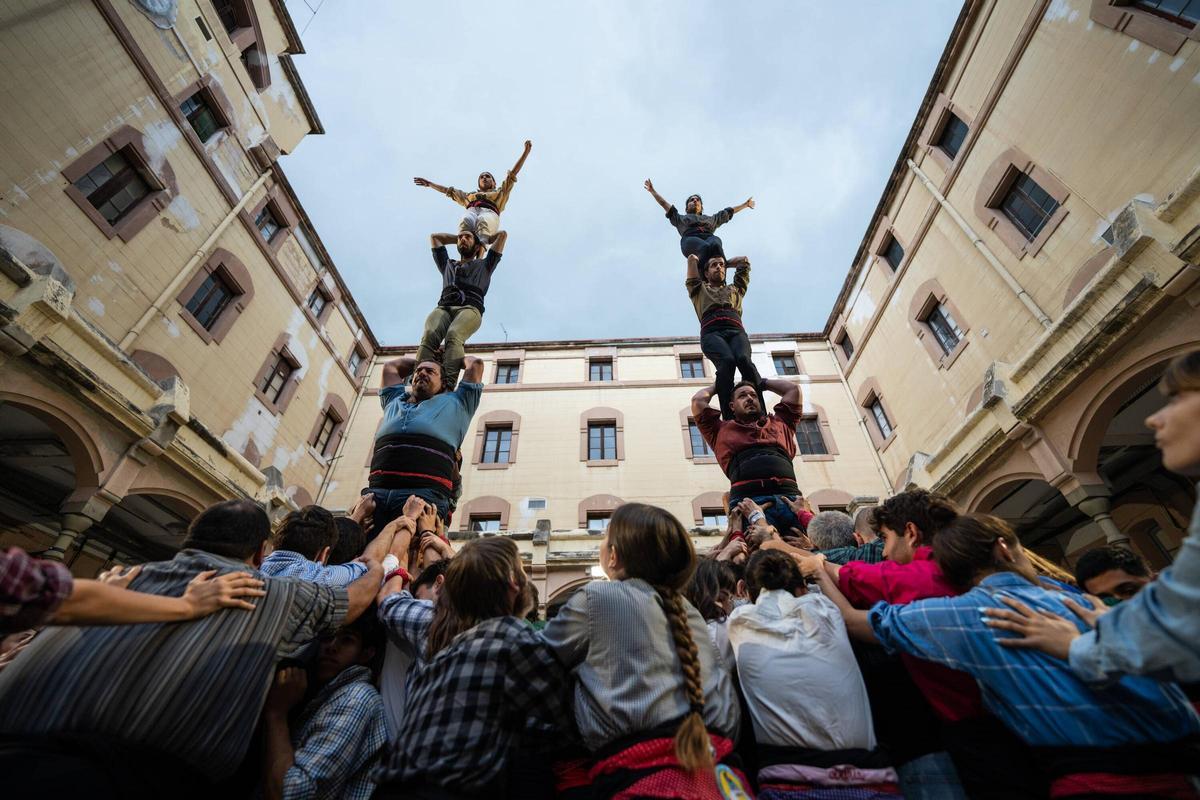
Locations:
456 295
719 317
761 469
413 461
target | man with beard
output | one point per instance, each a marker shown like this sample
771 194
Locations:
755 451
423 425
459 311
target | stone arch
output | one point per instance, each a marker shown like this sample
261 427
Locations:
564 591
824 498
182 500
488 505
86 454
597 502
985 498
1098 415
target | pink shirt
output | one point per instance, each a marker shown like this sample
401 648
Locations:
954 695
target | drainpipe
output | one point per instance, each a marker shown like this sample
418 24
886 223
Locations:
987 254
184 274
862 423
362 390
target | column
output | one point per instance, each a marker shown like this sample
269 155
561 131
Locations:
73 525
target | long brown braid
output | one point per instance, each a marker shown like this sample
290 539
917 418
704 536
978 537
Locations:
654 546
692 747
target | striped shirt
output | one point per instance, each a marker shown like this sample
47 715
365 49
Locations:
290 564
192 690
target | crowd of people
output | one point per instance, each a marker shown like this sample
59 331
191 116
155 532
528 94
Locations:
915 651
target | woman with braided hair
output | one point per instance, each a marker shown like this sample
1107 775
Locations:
655 706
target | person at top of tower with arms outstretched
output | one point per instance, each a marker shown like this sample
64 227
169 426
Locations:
696 229
485 204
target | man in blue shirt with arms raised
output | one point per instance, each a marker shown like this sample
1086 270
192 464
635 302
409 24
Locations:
423 427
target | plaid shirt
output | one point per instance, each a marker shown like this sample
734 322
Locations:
871 552
31 590
497 687
1036 695
288 564
336 739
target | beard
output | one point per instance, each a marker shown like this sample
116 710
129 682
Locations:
465 254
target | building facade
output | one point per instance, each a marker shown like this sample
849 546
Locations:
174 332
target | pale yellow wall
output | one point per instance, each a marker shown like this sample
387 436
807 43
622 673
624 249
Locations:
67 106
656 468
1111 118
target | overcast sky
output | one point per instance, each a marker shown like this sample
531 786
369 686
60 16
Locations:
802 104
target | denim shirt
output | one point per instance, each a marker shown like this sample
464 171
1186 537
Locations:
1036 695
1157 632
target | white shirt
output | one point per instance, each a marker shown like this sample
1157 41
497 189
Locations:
798 673
393 678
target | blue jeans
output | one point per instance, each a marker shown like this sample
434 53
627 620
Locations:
930 777
778 514
389 503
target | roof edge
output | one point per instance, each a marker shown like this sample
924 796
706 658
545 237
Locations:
953 45
550 344
293 75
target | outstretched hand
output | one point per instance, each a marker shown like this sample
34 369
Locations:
528 145
206 594
649 186
420 181
1040 630
749 203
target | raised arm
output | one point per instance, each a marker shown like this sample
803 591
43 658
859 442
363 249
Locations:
524 155
788 391
701 399
442 239
394 372
430 184
498 242
748 204
472 370
658 197
693 267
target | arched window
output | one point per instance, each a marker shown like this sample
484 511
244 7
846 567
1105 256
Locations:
217 294
496 436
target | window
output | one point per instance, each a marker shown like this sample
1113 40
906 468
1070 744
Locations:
700 447
200 116
497 441
945 328
329 423
210 299
1181 12
113 187
602 441
277 377
691 366
846 345
954 132
508 371
354 362
714 518
600 369
881 417
809 438
1028 206
268 224
485 523
537 504
597 521
785 364
317 301
227 14
893 253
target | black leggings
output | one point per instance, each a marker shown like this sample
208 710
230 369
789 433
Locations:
729 348
703 246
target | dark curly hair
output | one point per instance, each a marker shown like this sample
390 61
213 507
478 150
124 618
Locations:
927 511
306 531
1102 559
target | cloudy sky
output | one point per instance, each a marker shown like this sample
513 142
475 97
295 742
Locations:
802 104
